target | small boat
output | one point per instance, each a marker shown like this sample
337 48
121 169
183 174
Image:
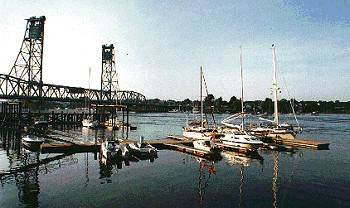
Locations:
43 125
122 150
89 123
114 123
32 140
114 149
205 145
142 148
241 139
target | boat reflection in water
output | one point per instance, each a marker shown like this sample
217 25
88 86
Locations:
206 170
241 160
110 165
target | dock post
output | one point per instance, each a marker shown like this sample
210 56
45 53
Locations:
127 118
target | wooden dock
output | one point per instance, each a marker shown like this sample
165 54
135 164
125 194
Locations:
215 156
302 143
65 146
69 148
174 143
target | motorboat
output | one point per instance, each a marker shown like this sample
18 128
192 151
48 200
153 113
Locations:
114 123
142 148
32 140
205 145
90 123
240 139
122 150
42 125
114 149
108 149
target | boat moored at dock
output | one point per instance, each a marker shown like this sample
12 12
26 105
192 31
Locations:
142 148
114 149
240 139
205 145
90 123
32 139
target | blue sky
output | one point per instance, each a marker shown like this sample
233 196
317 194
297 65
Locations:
160 45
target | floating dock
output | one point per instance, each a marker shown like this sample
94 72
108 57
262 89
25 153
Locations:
173 142
302 143
193 151
69 148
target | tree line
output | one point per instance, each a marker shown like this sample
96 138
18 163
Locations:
218 105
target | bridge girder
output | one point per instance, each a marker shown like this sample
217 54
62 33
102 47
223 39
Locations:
15 88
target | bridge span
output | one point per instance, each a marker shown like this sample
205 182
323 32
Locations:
16 88
25 79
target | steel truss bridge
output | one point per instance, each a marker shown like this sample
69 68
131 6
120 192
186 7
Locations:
15 88
25 79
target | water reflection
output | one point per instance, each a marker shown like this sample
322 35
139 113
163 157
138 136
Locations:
27 181
206 169
241 160
274 183
25 166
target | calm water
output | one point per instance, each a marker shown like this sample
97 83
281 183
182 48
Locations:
318 178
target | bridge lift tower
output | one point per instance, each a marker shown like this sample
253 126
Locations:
109 81
28 64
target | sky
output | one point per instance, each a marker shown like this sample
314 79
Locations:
161 45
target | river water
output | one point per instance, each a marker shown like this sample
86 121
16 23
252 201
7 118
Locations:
304 178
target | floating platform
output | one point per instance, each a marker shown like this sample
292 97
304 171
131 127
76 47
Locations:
193 151
69 148
302 143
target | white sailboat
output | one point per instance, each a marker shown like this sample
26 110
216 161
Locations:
282 130
235 136
88 121
199 130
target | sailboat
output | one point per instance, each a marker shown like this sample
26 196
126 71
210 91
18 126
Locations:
199 130
282 130
235 136
88 121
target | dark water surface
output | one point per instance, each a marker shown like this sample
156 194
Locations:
305 178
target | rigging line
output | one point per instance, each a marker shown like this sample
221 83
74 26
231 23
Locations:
206 89
290 100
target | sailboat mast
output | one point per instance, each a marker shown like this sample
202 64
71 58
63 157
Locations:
242 102
275 88
201 98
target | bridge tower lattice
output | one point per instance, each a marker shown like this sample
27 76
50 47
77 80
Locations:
28 64
109 81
